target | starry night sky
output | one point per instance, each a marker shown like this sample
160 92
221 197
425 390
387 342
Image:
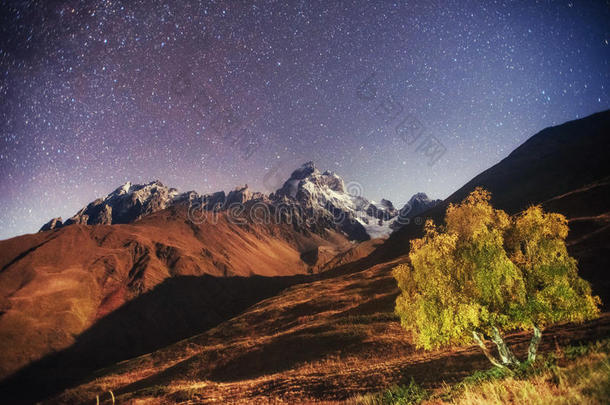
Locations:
213 94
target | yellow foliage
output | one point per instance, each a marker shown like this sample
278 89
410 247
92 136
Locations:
484 270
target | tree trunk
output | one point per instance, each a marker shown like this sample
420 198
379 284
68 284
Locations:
507 357
486 351
533 349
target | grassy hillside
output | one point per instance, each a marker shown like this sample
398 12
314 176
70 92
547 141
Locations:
568 375
327 340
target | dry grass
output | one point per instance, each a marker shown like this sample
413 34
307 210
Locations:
584 380
321 342
575 375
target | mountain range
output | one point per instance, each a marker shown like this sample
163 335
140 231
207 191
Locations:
244 296
312 199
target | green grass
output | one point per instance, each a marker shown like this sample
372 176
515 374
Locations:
402 395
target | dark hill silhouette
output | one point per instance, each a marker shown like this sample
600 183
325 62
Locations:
553 162
567 169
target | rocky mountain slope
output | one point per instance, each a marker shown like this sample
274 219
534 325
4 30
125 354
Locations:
57 283
126 204
54 285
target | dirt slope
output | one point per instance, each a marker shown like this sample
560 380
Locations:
54 285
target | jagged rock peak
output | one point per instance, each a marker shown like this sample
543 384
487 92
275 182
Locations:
239 195
307 179
52 224
419 196
125 204
124 189
417 204
306 169
129 188
321 198
387 203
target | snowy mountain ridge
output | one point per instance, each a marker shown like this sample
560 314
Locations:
320 198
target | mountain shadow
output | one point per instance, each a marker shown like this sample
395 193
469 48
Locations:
178 308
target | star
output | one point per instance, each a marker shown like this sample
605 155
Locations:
209 95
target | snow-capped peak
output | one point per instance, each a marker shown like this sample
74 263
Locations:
124 189
321 198
325 195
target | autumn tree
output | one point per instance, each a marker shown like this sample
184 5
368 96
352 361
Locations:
485 273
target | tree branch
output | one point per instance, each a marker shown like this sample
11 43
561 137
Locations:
533 349
506 355
486 351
